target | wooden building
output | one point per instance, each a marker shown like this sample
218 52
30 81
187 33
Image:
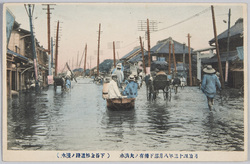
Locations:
20 68
235 56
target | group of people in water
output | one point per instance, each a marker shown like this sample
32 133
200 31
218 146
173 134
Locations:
115 87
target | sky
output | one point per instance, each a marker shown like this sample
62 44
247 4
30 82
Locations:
79 25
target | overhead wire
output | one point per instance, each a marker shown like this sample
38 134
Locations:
187 19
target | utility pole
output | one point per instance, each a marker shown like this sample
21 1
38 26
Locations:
114 53
169 58
183 60
190 62
142 52
217 47
57 35
30 14
52 59
149 57
174 58
90 62
77 59
48 33
85 59
228 41
98 49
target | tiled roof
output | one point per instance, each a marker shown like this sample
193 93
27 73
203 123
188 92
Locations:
163 47
236 29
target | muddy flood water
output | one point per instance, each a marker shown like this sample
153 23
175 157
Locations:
80 120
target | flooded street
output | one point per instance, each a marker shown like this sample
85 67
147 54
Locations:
79 120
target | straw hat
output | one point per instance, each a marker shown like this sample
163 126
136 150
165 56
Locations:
209 69
119 65
107 80
113 75
131 77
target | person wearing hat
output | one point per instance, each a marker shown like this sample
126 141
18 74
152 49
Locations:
131 89
120 75
113 90
209 83
183 81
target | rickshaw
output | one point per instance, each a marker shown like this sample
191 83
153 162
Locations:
158 82
59 81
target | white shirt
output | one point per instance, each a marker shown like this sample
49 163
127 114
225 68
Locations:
113 91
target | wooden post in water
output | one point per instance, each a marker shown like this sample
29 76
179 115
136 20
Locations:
217 48
143 60
114 54
190 62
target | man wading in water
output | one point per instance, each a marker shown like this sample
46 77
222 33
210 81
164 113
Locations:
209 83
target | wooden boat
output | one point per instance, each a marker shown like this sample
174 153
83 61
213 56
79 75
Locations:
117 103
121 103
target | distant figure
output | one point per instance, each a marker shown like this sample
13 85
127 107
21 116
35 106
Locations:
67 82
119 64
183 82
176 83
113 90
209 83
131 89
120 75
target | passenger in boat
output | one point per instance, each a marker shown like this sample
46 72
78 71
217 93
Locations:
105 88
113 90
120 75
131 89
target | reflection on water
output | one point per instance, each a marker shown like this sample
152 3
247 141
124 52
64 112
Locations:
79 120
